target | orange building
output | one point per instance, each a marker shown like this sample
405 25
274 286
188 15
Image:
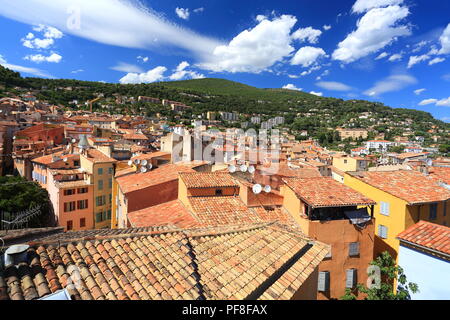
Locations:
327 210
43 132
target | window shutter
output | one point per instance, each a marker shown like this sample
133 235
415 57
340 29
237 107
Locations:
351 278
353 249
324 281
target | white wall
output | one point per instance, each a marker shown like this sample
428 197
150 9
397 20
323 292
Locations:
431 274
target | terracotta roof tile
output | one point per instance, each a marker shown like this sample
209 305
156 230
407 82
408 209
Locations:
326 192
208 180
429 235
411 186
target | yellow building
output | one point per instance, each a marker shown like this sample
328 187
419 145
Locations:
101 169
352 133
346 163
403 198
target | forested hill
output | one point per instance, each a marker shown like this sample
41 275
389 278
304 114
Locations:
223 95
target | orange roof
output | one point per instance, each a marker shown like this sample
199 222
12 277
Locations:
285 171
135 136
96 156
165 173
168 213
208 179
441 174
326 192
428 235
148 156
411 155
214 211
411 186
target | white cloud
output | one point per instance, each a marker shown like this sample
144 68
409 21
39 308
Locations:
156 74
307 34
33 71
413 60
310 70
375 30
419 46
427 102
291 86
445 41
143 59
307 56
127 67
182 13
49 33
181 73
38 58
77 71
436 60
439 103
254 50
395 57
326 27
419 91
392 83
319 94
362 6
333 86
382 55
199 10
124 23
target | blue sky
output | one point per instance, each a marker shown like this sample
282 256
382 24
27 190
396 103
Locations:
393 51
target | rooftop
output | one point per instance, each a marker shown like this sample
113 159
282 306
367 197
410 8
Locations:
428 235
326 192
136 181
208 180
261 261
411 186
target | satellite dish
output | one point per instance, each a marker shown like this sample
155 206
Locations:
267 189
144 162
136 161
232 169
65 159
74 140
251 169
243 168
257 189
144 169
130 163
149 166
14 138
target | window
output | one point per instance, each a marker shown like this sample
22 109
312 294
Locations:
82 222
445 209
382 231
350 281
100 201
69 225
324 281
98 217
82 204
219 192
110 170
433 211
76 163
69 206
345 161
110 183
69 192
385 208
353 249
100 171
100 184
110 198
82 190
108 215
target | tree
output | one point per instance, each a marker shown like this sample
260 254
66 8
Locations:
389 272
18 195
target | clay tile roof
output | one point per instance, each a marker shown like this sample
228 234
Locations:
213 211
411 186
326 192
264 261
136 181
428 235
208 180
148 156
440 174
168 213
407 155
97 156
